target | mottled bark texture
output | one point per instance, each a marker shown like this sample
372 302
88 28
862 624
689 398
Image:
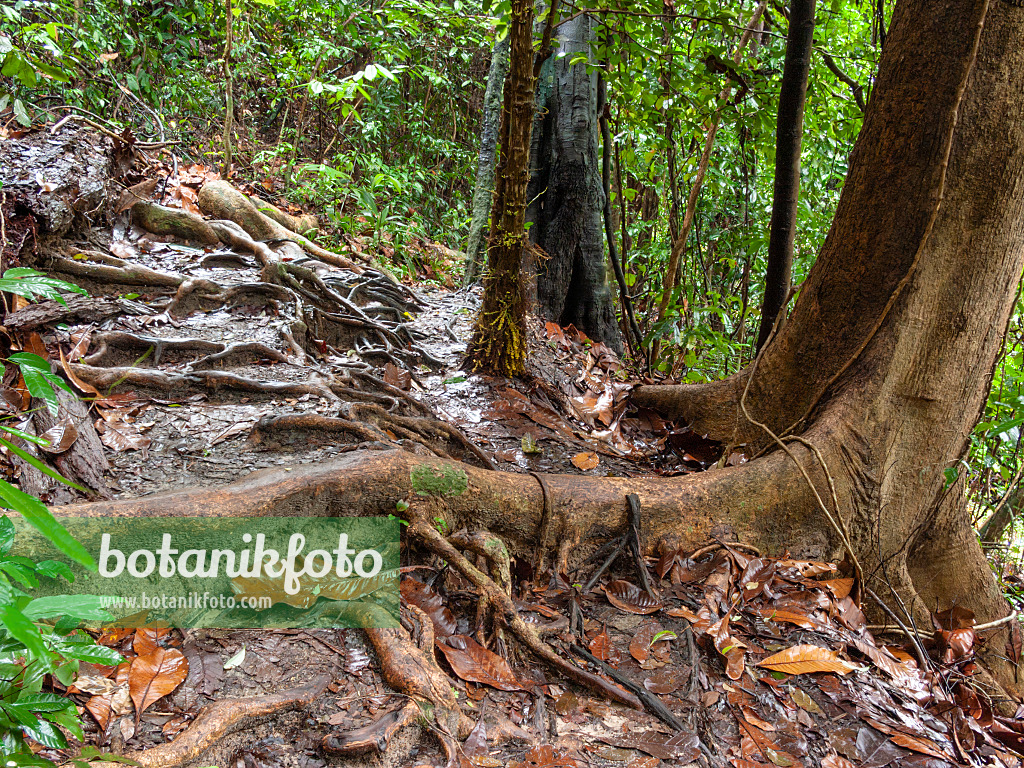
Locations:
498 345
789 130
567 199
886 359
483 189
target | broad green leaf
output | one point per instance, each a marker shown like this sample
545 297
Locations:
46 734
28 458
39 517
25 632
85 607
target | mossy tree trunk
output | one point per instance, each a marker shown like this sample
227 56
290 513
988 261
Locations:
483 189
498 345
567 195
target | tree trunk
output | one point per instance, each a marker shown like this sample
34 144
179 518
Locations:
476 251
567 209
499 339
788 134
885 362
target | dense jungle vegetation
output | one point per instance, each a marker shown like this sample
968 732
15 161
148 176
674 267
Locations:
370 112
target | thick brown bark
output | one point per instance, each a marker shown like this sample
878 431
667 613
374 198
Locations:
885 362
788 134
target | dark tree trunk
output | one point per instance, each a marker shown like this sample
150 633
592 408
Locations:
567 199
788 135
476 250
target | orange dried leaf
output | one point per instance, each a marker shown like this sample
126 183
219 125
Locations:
807 659
154 676
585 460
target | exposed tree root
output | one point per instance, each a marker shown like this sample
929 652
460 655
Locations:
222 718
197 294
409 668
504 608
114 270
223 201
109 379
267 429
118 347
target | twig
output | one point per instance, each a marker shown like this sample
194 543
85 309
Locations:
914 637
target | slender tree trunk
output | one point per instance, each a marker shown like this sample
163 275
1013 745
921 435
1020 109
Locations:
476 251
788 135
498 345
229 98
567 218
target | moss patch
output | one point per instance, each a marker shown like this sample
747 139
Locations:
445 480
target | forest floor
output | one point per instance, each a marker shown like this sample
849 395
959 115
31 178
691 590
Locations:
739 658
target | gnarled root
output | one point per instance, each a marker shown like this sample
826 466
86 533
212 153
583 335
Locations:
222 718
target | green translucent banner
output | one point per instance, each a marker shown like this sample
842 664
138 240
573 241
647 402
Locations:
232 572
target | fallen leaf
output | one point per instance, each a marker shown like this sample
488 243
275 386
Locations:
424 597
806 659
61 435
471 661
630 598
154 676
236 660
681 746
586 460
397 377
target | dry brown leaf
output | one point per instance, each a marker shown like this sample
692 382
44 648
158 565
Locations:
119 435
640 645
154 676
424 597
839 588
836 761
61 435
924 746
397 377
806 659
586 460
790 617
471 661
140 193
630 598
601 646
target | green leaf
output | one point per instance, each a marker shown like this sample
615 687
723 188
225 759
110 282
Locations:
33 461
46 734
45 702
39 517
84 607
25 632
84 648
55 569
6 535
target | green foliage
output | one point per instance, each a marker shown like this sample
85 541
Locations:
38 636
372 104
